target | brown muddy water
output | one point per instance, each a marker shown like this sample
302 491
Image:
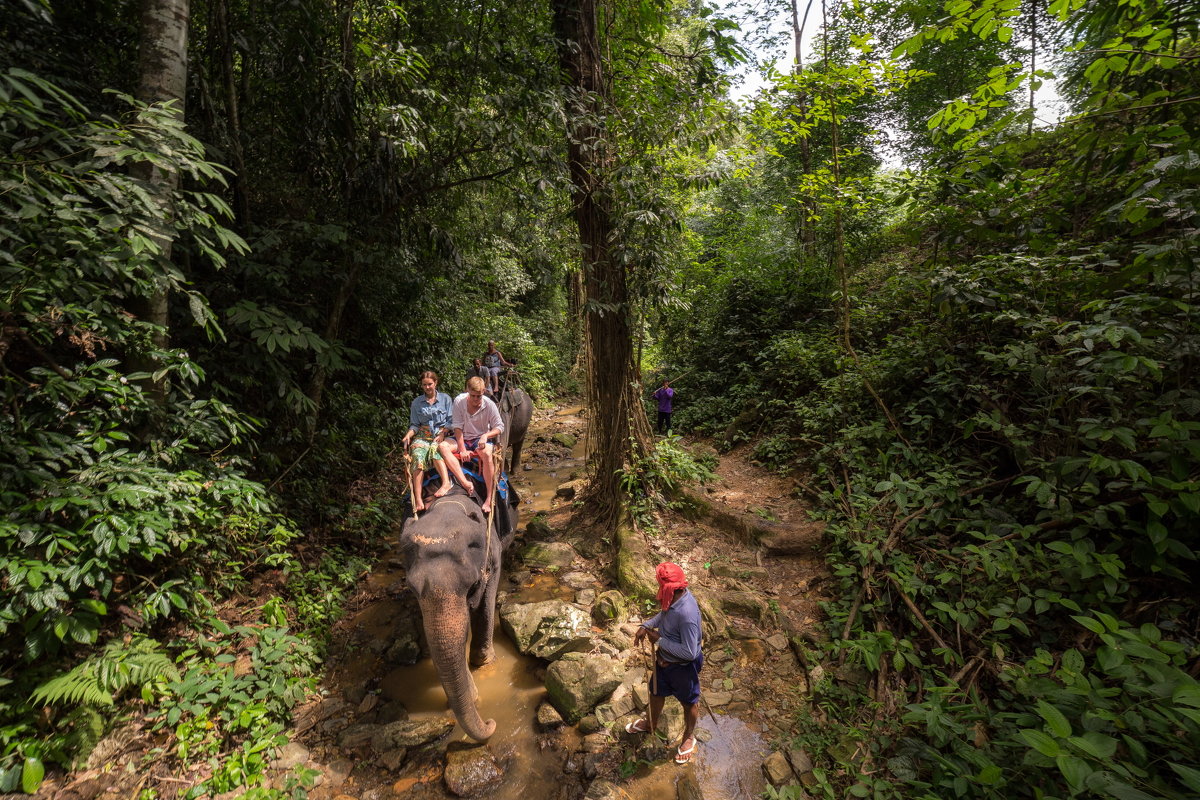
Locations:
727 761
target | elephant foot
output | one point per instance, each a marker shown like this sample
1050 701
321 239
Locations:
483 658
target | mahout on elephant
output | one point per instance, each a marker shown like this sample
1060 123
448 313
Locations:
453 554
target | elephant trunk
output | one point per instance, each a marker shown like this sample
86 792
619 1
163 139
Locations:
446 625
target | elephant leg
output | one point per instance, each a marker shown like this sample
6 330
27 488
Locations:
483 620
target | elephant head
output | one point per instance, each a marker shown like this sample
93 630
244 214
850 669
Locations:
453 566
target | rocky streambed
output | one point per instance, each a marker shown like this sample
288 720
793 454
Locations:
567 679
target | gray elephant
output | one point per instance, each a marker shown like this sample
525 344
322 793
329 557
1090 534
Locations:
453 565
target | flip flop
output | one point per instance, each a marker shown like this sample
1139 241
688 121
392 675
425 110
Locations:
639 725
683 756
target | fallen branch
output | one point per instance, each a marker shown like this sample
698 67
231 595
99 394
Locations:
917 613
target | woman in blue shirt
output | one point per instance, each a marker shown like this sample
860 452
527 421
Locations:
428 423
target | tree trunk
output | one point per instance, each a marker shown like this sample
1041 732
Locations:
162 67
618 424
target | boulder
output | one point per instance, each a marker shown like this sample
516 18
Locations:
548 718
548 555
747 604
578 579
610 606
470 770
547 629
571 490
410 733
356 736
777 770
778 641
577 682
538 530
565 439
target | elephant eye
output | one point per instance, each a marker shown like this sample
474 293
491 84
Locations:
475 545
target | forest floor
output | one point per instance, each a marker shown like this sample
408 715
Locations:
755 671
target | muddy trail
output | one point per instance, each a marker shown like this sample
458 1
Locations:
748 546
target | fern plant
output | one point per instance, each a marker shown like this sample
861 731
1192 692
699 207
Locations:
121 664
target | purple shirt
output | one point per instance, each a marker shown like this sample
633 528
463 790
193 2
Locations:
664 395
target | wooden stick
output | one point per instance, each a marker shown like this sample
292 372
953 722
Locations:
917 613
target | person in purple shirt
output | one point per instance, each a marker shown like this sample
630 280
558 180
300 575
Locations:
664 395
676 633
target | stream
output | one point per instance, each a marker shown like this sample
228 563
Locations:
536 764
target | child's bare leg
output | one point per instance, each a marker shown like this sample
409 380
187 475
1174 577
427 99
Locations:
418 479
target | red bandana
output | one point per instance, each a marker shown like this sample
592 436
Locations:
670 577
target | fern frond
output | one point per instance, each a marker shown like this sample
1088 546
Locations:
100 678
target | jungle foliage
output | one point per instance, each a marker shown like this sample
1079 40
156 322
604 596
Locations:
999 420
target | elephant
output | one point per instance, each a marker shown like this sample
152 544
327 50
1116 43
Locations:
516 406
453 567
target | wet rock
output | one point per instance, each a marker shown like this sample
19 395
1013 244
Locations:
610 606
409 733
621 702
577 682
605 790
520 577
470 770
595 742
393 759
291 755
777 770
391 711
688 787
591 764
590 724
801 762
565 439
778 641
548 555
405 649
577 579
548 718
547 629
356 736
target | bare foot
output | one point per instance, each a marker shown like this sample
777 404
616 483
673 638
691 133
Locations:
443 490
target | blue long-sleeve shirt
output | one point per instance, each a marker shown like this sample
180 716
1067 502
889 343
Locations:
436 415
678 629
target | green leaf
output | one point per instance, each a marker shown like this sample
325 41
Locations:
1075 770
1188 694
1092 625
1095 744
1059 725
1189 776
1041 742
31 774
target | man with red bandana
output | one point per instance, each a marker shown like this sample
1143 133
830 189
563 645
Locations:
676 632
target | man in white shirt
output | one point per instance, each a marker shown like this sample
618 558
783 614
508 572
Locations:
477 425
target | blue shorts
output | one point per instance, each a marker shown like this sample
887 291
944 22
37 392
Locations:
681 681
473 444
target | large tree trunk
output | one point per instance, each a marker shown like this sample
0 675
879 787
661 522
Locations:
162 66
618 425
